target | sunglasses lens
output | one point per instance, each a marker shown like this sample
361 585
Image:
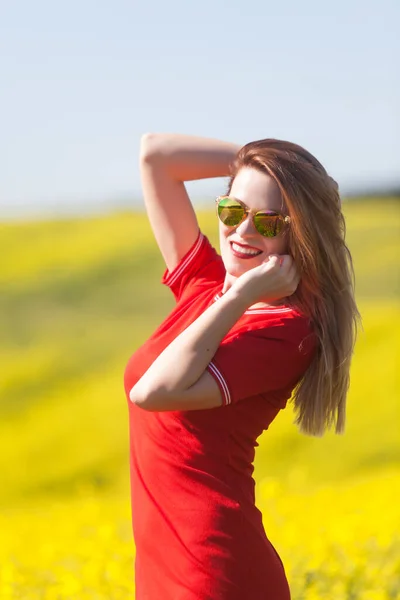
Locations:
230 212
268 224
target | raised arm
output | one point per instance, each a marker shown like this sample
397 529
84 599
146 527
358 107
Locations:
166 162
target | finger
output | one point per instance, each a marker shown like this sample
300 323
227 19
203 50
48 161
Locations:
286 262
273 260
293 274
295 280
291 266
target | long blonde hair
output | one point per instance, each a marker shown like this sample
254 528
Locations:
316 240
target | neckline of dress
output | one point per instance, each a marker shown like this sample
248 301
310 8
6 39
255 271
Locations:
258 311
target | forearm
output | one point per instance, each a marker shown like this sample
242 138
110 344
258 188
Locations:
187 157
183 362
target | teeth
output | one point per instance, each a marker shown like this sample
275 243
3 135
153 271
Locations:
244 250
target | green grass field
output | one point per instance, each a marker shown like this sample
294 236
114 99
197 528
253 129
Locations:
77 297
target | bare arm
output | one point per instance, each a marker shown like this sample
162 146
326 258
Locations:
166 161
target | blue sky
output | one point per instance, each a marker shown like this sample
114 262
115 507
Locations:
82 80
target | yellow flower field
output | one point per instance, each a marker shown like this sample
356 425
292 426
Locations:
337 543
77 297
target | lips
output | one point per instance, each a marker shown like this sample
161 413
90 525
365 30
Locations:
244 245
244 255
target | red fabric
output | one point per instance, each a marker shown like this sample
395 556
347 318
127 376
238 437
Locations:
197 531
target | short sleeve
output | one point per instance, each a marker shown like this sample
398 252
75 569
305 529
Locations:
201 264
268 361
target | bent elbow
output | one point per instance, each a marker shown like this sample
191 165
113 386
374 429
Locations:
150 148
142 399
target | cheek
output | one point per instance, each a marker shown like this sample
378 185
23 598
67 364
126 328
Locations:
224 233
276 245
225 249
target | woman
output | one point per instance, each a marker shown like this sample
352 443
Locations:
274 313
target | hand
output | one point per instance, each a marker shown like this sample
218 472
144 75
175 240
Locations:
275 278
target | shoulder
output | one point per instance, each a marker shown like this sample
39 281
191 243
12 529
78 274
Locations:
200 266
264 353
289 319
284 324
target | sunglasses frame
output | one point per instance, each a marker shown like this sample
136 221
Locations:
246 211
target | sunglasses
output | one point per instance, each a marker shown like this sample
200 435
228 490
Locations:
232 212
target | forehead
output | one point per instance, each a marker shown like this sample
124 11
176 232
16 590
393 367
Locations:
257 190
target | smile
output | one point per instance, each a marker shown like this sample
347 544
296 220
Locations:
242 252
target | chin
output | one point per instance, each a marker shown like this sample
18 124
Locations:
236 269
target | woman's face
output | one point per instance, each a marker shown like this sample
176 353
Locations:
258 191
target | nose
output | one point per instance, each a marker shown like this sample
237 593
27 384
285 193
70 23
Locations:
246 227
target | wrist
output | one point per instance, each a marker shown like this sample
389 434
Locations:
239 297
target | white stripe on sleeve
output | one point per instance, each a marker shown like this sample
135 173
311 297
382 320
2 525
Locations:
187 260
217 373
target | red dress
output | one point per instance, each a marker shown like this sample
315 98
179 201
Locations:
197 531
